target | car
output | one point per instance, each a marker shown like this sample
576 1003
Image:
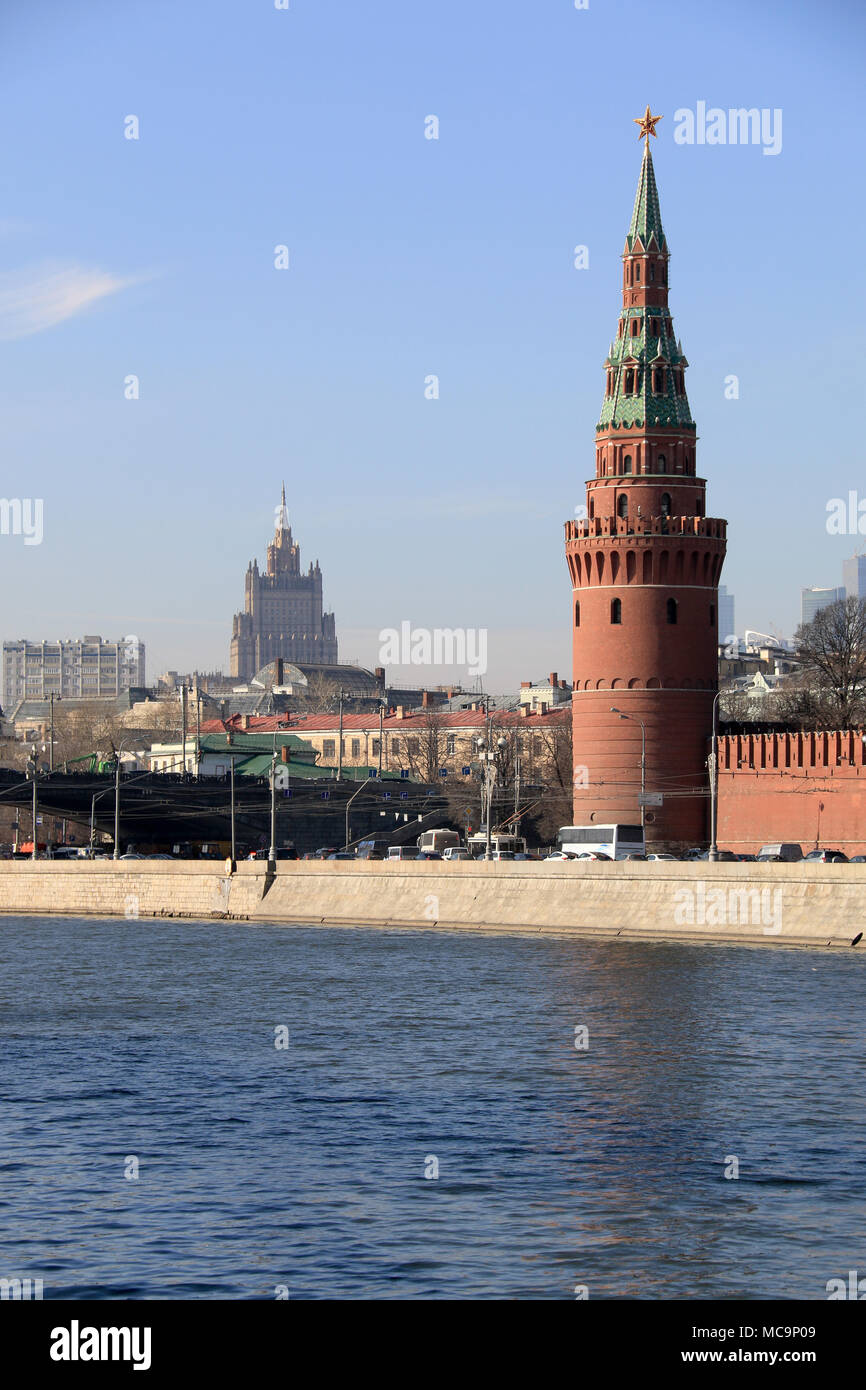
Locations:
366 852
635 856
429 854
658 858
825 856
556 857
593 854
694 853
402 852
786 849
342 854
857 859
502 854
723 856
129 855
770 859
454 852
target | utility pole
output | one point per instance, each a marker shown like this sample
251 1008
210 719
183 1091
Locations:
272 852
232 766
116 854
714 849
183 728
381 732
51 733
35 854
340 742
197 727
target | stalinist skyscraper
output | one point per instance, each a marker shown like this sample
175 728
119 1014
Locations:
282 610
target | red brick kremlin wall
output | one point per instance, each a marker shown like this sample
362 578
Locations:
806 787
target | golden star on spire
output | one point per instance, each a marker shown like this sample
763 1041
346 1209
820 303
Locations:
647 125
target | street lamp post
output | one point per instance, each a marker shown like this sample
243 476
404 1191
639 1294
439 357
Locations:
116 854
714 782
272 852
349 803
635 720
35 853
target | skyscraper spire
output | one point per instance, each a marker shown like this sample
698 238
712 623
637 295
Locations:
283 518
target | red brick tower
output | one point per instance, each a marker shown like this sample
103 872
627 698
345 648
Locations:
645 568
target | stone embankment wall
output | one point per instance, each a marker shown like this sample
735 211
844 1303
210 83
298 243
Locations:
764 904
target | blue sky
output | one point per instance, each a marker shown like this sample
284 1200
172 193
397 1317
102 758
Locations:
409 257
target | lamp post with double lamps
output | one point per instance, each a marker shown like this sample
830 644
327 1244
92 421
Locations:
714 781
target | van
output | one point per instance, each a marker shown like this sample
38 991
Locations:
790 853
403 852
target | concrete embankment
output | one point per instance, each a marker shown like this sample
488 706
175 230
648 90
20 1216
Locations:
763 904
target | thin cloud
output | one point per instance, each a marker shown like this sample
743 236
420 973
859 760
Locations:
40 297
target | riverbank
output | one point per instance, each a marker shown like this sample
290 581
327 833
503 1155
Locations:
761 904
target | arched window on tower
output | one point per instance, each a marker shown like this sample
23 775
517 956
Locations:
629 382
591 508
672 611
577 613
626 464
637 273
666 504
622 506
616 611
661 464
652 272
659 381
635 327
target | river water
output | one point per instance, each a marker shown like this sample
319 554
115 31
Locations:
286 1097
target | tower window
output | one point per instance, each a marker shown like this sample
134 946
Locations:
699 506
666 504
622 506
637 273
626 464
577 613
616 611
635 327
672 611
659 380
652 272
661 464
591 508
629 382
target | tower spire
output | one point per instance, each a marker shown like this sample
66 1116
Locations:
283 518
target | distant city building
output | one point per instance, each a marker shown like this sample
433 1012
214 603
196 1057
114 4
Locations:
813 600
282 614
854 576
88 667
727 622
545 695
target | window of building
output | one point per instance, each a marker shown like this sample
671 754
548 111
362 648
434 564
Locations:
412 746
616 611
329 747
666 504
661 463
637 273
395 745
652 272
672 610
622 507
374 746
451 745
635 327
356 748
577 613
629 382
626 464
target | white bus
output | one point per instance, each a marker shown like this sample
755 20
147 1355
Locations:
616 841
499 841
437 840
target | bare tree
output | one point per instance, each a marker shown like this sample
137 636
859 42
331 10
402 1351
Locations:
832 649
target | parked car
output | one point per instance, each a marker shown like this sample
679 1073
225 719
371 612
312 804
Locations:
593 854
825 856
402 852
343 854
502 854
429 854
857 859
785 849
724 856
769 859
642 857
455 852
557 857
657 858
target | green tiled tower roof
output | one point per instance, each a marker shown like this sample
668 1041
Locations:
646 217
